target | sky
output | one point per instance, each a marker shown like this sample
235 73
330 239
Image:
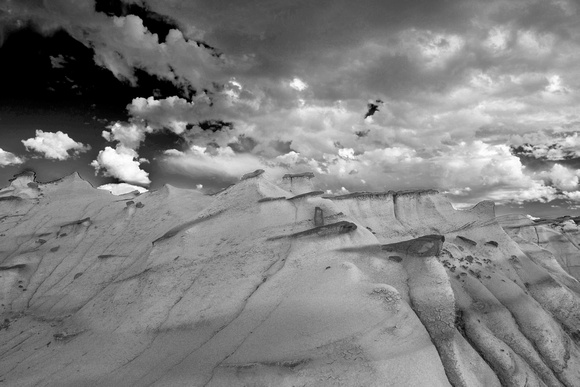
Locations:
477 99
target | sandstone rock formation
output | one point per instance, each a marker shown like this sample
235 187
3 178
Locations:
258 285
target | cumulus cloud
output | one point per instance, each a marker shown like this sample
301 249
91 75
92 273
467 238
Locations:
129 135
121 163
562 178
55 145
121 188
9 158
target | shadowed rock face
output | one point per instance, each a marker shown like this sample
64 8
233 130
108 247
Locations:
425 246
256 173
298 183
306 175
246 288
306 194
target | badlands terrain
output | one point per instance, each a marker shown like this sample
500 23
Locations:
273 283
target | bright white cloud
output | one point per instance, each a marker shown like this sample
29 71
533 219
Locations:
121 188
55 145
121 163
9 158
129 135
563 178
298 84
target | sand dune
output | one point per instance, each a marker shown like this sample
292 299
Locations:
266 284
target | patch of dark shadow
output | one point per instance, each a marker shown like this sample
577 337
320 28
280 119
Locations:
361 195
362 133
307 194
5 324
250 175
418 192
10 198
32 185
287 363
105 256
62 235
307 175
337 228
140 274
424 246
74 223
395 258
177 229
64 336
44 234
215 125
363 249
318 217
291 364
492 243
41 241
263 200
13 267
221 190
77 275
129 203
214 51
373 107
460 322
54 249
469 258
467 240
139 205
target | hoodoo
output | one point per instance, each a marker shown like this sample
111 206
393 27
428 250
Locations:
278 285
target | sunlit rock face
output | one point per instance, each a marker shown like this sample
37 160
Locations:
275 284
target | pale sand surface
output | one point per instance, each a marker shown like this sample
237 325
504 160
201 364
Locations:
176 288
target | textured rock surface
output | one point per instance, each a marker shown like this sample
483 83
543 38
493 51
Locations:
246 288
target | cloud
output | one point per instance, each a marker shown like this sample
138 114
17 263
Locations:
55 145
298 84
8 158
221 163
562 178
57 62
458 80
121 163
548 145
467 172
129 135
121 188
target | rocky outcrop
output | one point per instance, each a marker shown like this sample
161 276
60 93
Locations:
256 173
298 183
262 284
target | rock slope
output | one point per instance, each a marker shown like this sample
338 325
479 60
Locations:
279 285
